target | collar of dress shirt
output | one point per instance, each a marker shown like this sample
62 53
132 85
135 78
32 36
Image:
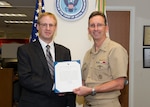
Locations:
51 44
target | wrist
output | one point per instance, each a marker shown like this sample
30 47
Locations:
93 92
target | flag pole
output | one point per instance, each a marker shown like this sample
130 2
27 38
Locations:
40 6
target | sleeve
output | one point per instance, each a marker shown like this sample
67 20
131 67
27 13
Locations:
32 75
118 60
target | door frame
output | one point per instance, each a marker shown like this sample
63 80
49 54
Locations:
131 48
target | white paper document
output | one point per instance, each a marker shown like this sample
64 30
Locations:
67 76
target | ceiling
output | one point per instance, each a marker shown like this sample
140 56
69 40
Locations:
17 31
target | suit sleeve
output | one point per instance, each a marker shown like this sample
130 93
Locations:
32 75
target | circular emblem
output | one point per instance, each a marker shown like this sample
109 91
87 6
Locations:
71 9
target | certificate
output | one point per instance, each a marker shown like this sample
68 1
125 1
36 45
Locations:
146 57
146 39
67 76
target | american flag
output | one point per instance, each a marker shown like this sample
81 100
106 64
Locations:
39 8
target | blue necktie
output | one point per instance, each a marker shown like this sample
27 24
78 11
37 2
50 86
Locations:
50 61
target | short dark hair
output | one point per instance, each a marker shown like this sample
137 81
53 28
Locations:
98 13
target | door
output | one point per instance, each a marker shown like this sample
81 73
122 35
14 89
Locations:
119 31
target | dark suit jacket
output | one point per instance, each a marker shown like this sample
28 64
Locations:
35 78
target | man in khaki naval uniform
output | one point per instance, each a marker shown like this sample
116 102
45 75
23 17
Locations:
104 69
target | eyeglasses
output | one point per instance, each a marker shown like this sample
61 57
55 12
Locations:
45 25
98 25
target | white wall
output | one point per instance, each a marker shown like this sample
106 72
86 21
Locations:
74 35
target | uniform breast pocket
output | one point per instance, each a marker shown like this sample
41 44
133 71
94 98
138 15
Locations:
101 65
101 70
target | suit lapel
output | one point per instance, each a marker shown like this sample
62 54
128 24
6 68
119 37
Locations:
41 55
61 54
57 52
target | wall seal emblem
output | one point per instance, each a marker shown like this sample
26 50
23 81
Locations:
71 10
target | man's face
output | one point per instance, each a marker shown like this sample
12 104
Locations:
46 28
97 28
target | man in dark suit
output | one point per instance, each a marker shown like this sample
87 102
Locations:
34 73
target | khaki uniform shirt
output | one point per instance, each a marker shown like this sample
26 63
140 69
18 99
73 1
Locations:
108 63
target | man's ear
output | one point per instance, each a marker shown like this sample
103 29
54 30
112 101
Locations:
37 27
